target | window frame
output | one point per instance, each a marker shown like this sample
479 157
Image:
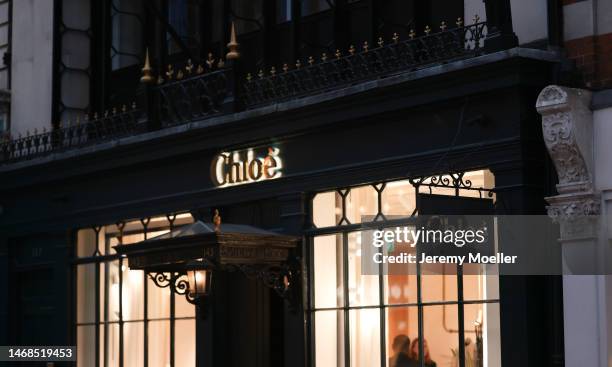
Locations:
343 227
105 260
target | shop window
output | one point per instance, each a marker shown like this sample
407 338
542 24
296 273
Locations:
412 310
122 318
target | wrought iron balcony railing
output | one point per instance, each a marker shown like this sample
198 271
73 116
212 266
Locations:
338 71
197 92
111 126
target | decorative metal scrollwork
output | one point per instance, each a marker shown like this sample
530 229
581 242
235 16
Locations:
456 181
177 282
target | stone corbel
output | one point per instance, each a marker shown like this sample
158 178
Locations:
567 124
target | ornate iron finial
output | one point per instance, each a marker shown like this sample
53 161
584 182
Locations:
366 46
189 67
217 221
338 54
412 34
351 50
323 57
179 75
476 18
210 61
170 72
260 74
147 76
443 26
427 30
298 64
272 71
459 22
380 42
395 37
249 77
200 69
285 67
310 60
233 53
220 64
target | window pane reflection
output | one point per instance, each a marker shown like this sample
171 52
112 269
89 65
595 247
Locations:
159 343
133 344
363 289
328 273
329 338
365 337
482 335
184 347
86 345
441 335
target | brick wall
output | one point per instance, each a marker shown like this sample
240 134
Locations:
593 57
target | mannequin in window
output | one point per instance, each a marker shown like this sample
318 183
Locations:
414 353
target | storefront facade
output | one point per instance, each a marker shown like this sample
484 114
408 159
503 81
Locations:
317 168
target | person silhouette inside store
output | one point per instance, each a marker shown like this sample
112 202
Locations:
414 353
401 358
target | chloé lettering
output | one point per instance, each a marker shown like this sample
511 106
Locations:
241 167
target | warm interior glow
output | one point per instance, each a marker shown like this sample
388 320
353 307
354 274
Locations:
400 291
115 279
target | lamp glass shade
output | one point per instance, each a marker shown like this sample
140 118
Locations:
199 281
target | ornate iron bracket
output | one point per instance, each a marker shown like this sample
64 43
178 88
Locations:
177 282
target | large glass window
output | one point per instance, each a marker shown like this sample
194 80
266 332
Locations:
121 316
376 320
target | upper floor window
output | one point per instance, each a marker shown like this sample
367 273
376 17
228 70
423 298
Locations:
127 20
183 17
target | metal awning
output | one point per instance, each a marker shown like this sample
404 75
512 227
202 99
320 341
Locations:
231 244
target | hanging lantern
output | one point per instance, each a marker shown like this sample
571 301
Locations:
199 275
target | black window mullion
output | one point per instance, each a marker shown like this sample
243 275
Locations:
120 312
120 227
346 312
460 316
171 219
145 225
381 302
420 314
172 327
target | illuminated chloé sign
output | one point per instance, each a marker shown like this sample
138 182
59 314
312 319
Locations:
242 167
